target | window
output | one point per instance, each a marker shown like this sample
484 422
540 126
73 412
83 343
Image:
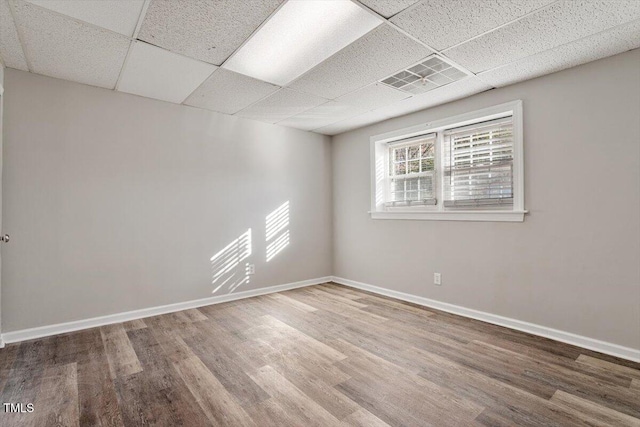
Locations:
411 169
478 165
467 167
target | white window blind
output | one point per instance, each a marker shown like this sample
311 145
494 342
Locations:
412 172
478 165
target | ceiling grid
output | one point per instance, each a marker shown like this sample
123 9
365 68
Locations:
200 53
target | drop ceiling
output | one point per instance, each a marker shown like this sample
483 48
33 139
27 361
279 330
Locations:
380 59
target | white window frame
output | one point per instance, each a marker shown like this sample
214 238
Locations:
380 164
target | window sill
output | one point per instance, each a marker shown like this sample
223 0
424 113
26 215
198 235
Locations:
498 216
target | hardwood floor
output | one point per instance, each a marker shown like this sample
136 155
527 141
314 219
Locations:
325 355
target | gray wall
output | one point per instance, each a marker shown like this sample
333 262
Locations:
574 264
116 202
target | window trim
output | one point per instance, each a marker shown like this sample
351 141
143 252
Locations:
379 144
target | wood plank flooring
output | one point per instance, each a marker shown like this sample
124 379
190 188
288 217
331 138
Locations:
325 355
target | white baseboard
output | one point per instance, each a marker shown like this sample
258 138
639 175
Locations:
543 331
61 328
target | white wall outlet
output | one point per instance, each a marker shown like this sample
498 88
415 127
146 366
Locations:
251 269
437 279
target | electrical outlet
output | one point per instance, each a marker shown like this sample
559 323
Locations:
437 279
251 269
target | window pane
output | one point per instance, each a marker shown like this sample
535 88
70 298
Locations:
400 153
426 150
411 195
401 168
412 184
414 166
427 165
414 152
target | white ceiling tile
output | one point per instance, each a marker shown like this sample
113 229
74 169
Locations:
115 15
281 105
10 48
372 97
451 92
556 25
601 45
388 8
322 115
444 23
61 47
373 57
355 122
229 92
202 29
157 73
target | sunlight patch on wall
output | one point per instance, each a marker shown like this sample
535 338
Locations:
277 220
275 247
225 263
277 230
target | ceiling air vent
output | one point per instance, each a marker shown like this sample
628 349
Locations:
431 73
